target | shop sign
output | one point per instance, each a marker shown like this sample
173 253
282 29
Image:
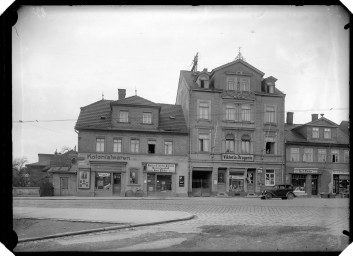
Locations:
181 181
103 174
102 157
344 172
236 157
306 170
236 177
161 167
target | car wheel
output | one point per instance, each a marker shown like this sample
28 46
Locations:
268 196
290 196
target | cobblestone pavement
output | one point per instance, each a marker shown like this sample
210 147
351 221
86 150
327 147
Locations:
330 213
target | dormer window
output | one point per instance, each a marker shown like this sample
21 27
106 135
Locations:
270 88
203 82
327 133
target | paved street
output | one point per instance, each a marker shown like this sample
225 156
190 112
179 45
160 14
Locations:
302 216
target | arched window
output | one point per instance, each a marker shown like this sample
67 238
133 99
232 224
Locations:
245 143
229 143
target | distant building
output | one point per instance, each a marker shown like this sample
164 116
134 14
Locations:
317 156
235 118
344 127
132 146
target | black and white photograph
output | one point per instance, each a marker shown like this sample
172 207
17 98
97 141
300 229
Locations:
181 128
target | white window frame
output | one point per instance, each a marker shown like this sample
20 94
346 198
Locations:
204 142
168 147
246 112
270 116
315 133
321 155
100 144
134 145
204 110
231 83
245 84
117 145
123 116
230 145
327 133
245 146
335 154
230 112
147 118
270 177
294 154
308 155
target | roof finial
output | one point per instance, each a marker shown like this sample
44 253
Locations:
102 96
135 91
239 56
194 62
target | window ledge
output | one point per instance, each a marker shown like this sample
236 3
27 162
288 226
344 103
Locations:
123 122
147 123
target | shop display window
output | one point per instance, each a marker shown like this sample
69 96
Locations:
103 180
340 183
298 182
221 177
159 183
270 178
133 176
236 185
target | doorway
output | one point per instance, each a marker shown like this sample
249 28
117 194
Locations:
201 183
251 181
64 186
314 184
116 183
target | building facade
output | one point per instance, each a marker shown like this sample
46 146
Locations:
235 119
132 146
317 156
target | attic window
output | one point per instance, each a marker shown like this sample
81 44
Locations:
103 117
172 117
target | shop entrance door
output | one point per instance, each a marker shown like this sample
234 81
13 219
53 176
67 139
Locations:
116 183
314 185
64 186
251 181
201 183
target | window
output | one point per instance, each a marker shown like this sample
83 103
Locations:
315 132
147 118
327 133
270 178
221 177
321 155
298 182
103 180
245 112
334 154
133 176
203 110
134 146
294 154
117 145
203 83
230 143
230 112
231 83
168 147
151 146
99 145
308 155
346 156
204 142
270 114
270 148
245 143
124 116
245 84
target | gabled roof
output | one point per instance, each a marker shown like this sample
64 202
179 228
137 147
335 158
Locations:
320 120
135 100
344 127
189 78
239 61
95 115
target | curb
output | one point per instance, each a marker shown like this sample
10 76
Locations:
101 229
98 198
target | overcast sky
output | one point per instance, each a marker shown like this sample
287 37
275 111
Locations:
64 58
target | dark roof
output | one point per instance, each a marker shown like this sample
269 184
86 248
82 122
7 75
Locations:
90 115
189 78
135 100
344 127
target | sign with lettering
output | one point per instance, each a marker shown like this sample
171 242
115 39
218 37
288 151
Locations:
161 167
306 170
236 157
84 158
181 181
344 172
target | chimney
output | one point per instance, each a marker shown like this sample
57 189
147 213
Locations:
314 117
122 93
290 118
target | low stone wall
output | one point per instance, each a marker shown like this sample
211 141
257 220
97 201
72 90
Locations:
25 191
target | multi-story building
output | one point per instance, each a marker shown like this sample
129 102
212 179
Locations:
235 119
317 156
132 146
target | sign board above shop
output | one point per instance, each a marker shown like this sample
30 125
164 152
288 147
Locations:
306 170
160 167
236 157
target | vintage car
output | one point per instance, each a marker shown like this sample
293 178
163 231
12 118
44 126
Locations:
283 191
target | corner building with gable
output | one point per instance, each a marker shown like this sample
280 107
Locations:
235 119
132 147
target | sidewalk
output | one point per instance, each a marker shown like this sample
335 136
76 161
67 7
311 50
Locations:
96 198
119 219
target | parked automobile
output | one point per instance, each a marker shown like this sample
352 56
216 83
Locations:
283 191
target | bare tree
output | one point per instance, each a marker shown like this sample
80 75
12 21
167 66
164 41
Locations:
20 175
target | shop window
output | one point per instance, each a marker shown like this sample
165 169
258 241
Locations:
236 184
103 180
221 177
117 145
308 155
147 118
340 183
133 176
168 147
99 145
315 133
270 178
294 154
327 133
151 146
334 154
134 145
321 155
204 142
164 183
298 182
123 116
